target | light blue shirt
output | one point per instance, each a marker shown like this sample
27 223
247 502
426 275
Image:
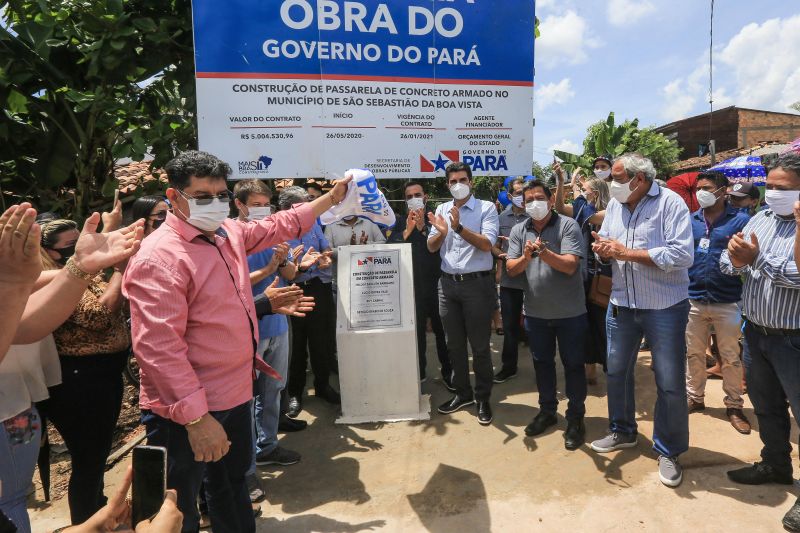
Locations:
771 296
459 256
660 224
314 238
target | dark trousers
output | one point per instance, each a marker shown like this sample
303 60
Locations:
312 335
596 340
225 486
466 309
511 312
84 409
570 333
772 363
427 307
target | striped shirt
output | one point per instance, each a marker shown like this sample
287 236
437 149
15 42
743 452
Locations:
661 225
771 296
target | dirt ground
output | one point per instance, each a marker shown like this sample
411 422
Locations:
450 474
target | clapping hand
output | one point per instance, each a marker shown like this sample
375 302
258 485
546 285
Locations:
325 259
282 296
742 252
438 222
20 262
455 217
281 252
299 308
607 248
96 251
306 261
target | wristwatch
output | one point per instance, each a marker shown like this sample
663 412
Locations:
458 229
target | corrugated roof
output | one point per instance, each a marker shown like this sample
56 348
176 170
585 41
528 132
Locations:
703 162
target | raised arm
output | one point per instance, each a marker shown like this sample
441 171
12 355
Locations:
20 265
50 306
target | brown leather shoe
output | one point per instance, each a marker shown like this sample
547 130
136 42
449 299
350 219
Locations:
738 420
695 406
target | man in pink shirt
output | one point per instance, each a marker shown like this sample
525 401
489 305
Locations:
195 330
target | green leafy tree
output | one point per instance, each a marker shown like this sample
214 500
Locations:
608 138
84 83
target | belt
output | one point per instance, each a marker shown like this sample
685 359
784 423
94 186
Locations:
465 277
773 331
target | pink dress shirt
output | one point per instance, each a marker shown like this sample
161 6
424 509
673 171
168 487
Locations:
193 321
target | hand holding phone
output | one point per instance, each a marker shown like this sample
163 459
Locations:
149 481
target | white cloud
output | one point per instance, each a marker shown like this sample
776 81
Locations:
763 60
623 13
553 93
756 68
565 145
682 94
565 39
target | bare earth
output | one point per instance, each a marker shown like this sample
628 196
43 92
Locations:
451 474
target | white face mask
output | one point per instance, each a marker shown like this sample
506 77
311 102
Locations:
517 201
602 174
537 209
208 217
706 198
781 202
258 212
621 191
459 191
415 203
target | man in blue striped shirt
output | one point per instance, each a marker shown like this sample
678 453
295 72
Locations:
647 233
763 253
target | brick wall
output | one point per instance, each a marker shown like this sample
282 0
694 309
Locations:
692 132
759 126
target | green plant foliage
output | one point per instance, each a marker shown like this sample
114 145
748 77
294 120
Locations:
608 138
85 83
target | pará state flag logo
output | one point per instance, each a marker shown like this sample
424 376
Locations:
443 158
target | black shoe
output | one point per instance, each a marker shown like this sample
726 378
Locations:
278 456
504 375
328 394
791 520
454 404
294 407
484 412
574 436
447 379
290 425
540 423
758 474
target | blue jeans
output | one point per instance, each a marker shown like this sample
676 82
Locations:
665 329
20 437
226 489
772 364
511 312
570 334
267 404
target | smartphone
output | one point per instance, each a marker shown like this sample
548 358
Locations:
149 481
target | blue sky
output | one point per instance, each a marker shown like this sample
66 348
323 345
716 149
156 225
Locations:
649 59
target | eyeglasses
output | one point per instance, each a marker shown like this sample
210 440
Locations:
205 199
